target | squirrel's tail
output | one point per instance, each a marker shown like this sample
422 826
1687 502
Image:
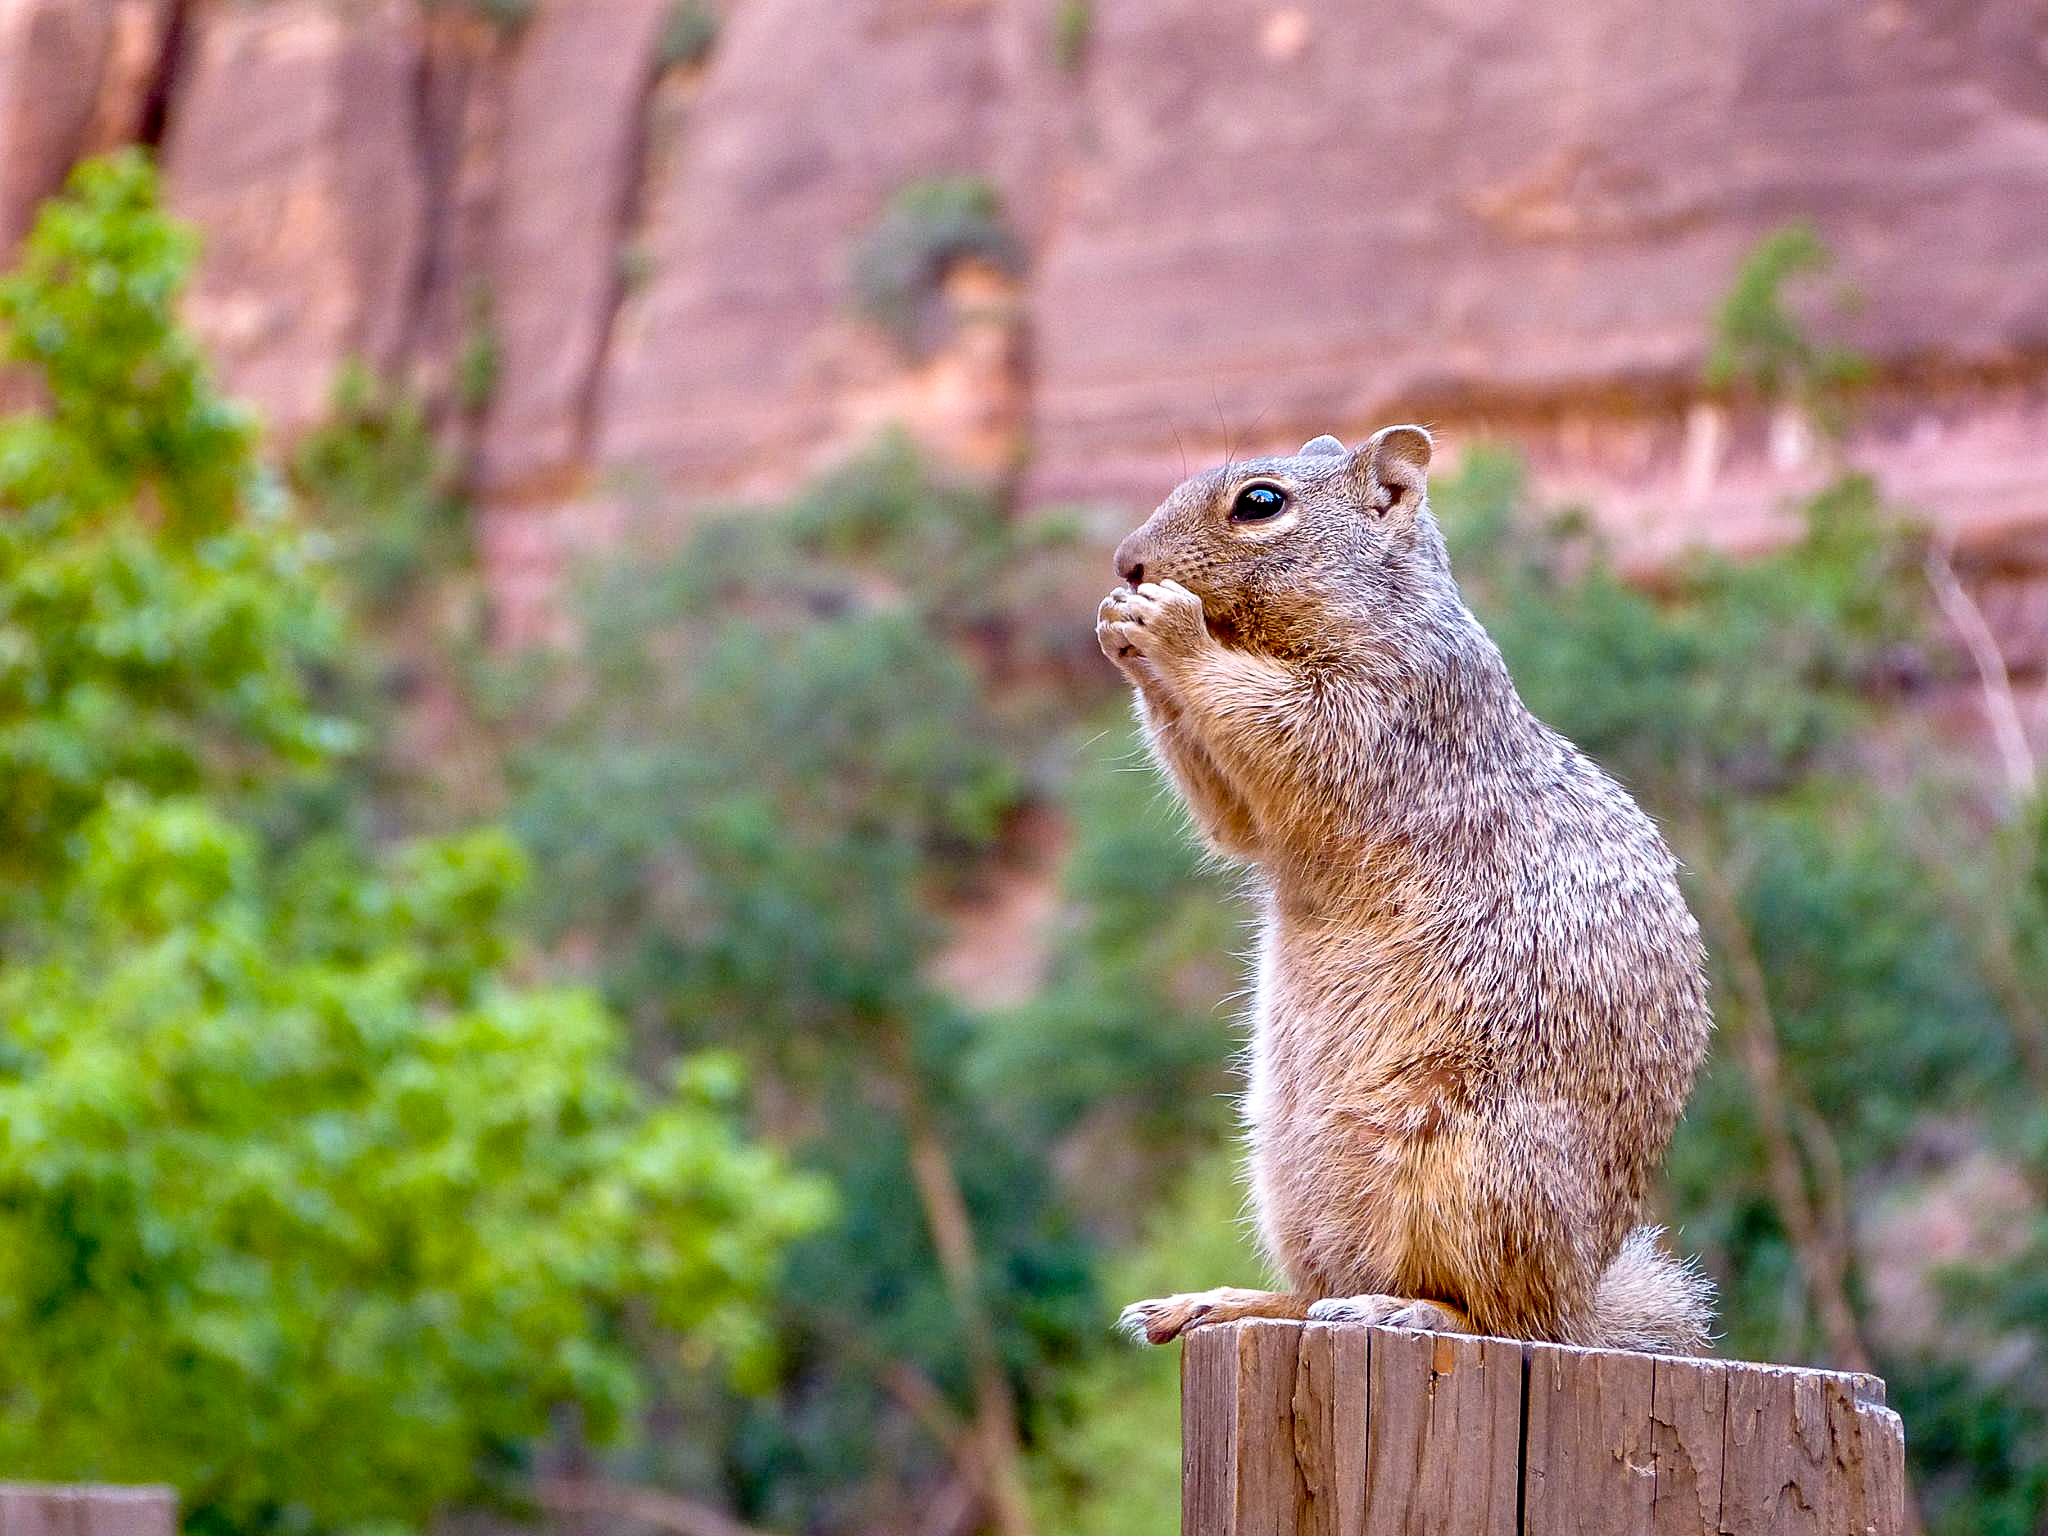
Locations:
1651 1302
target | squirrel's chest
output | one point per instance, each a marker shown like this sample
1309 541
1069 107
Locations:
1356 1042
1360 1085
1334 1000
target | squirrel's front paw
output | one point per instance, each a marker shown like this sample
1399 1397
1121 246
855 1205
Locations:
1158 621
1118 633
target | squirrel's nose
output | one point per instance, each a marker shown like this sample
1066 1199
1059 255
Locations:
1130 560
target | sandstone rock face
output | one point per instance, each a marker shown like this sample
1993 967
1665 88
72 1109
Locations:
1348 216
1243 222
744 362
136 72
292 147
53 54
575 114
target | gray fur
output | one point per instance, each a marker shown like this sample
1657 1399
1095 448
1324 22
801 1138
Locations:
1479 1003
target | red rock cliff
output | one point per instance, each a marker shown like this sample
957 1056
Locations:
1238 219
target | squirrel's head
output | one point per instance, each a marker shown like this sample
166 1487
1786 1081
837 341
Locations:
1278 548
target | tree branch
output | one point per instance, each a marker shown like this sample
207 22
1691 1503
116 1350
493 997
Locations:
2001 707
952 1231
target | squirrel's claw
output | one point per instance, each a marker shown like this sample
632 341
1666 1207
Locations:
1389 1312
1162 1320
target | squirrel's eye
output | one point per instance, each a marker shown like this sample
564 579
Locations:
1255 502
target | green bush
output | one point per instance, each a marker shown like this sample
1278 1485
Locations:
308 1205
1072 25
778 762
159 612
307 1210
688 34
1762 347
378 484
505 15
928 226
1128 1021
477 365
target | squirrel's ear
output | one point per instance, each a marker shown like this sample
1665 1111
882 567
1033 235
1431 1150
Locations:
1391 470
1324 447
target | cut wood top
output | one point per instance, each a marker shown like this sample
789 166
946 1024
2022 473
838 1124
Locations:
1293 1428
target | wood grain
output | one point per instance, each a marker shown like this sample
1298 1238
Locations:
1688 1413
1443 1435
1776 1460
1270 1494
1332 1412
1342 1430
1352 1424
1208 1432
1866 1491
1589 1468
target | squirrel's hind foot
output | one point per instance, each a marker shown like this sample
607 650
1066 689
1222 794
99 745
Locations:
1391 1312
1167 1317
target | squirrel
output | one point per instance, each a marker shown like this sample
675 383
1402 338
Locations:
1480 999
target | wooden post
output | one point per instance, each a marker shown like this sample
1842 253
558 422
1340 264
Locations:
1317 1429
62 1509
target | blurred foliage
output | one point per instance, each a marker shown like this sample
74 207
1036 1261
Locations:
505 15
158 613
306 1209
776 745
929 225
379 488
383 491
1120 1476
131 411
1761 347
1132 1024
1739 679
476 368
1073 23
307 1205
774 758
688 34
